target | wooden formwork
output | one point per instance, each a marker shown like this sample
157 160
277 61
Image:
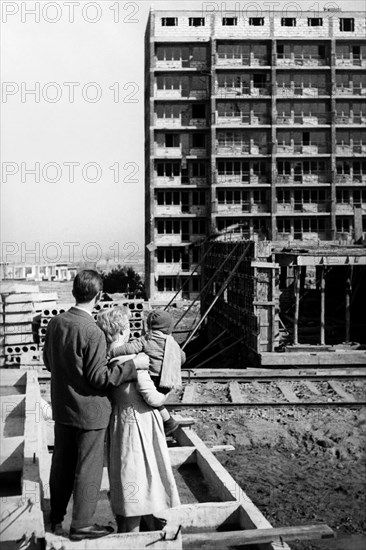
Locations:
232 519
233 511
24 453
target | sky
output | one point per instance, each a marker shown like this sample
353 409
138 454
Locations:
73 152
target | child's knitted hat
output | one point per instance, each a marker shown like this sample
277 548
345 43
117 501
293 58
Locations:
160 320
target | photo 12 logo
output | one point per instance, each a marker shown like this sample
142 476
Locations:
70 12
53 252
69 172
69 92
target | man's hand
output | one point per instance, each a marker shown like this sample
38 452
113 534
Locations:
141 361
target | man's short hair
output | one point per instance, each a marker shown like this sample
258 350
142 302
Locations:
87 284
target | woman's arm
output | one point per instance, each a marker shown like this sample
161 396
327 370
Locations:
146 388
127 349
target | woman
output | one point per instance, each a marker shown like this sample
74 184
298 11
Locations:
140 474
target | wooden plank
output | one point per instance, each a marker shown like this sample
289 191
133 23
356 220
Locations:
187 455
35 453
221 481
340 391
207 515
322 359
25 521
32 297
337 260
265 265
131 541
183 420
182 455
13 377
312 387
188 395
235 394
273 373
13 405
257 536
287 391
11 454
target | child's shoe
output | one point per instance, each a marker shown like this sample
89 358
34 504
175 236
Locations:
170 426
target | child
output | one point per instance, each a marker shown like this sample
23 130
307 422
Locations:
166 357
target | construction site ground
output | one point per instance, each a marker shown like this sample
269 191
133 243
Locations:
298 465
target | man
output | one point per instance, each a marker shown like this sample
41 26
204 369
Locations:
75 353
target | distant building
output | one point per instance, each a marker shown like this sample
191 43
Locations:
34 272
257 122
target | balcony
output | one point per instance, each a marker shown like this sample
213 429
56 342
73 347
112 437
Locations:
178 210
347 209
350 90
241 149
181 180
347 119
169 238
243 120
244 91
303 120
169 64
176 268
297 91
197 152
167 122
168 268
350 61
180 93
242 208
302 149
176 152
285 60
246 60
168 152
302 208
303 179
196 122
244 178
350 179
351 149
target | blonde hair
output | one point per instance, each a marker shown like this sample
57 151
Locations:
113 321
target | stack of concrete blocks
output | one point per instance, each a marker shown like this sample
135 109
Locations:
21 306
46 315
138 309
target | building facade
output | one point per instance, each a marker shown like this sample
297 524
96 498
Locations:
255 125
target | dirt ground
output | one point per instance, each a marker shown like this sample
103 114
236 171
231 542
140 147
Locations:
299 466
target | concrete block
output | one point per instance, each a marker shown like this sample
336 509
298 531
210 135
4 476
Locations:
51 311
13 318
20 348
16 329
10 287
19 308
33 297
20 339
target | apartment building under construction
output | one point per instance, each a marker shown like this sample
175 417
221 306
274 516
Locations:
255 124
